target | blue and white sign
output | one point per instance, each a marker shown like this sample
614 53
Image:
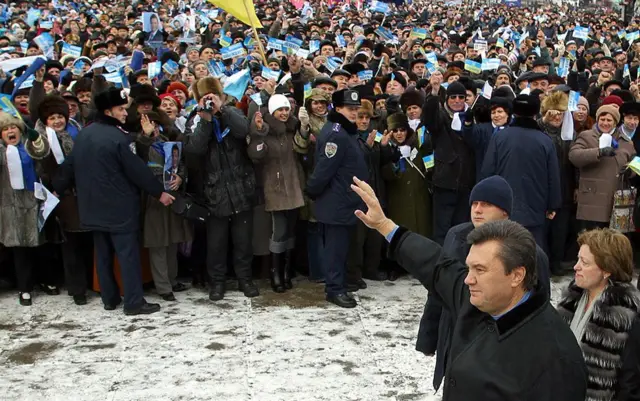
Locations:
365 75
489 64
268 73
233 51
581 32
574 98
71 50
154 69
170 67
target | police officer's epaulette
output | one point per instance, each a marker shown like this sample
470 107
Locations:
336 127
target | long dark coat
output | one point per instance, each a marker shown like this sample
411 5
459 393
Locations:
529 354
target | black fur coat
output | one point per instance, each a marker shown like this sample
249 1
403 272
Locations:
605 335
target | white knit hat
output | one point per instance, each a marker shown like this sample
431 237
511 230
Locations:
277 102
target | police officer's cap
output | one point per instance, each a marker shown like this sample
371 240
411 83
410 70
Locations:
346 97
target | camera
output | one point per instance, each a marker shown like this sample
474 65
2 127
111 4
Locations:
208 106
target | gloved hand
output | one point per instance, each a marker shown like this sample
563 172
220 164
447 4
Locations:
581 64
608 151
32 134
303 116
468 116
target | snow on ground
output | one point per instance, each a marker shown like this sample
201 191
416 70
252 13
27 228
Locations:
292 346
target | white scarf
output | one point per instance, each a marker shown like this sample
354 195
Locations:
54 142
567 127
14 165
456 124
414 123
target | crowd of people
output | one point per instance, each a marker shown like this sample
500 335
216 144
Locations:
174 130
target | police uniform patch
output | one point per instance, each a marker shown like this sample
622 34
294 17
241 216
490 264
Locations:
330 149
336 127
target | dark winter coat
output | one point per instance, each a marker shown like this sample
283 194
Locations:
338 159
599 176
527 354
47 168
454 159
409 199
478 137
629 378
108 176
567 169
605 335
437 321
230 183
526 157
376 158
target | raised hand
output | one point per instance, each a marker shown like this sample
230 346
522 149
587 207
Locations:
374 218
148 127
257 119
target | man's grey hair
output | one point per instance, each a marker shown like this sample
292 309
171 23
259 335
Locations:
517 247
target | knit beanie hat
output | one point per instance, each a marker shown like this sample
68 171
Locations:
583 101
494 190
608 109
456 88
612 99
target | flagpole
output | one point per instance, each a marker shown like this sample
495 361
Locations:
255 33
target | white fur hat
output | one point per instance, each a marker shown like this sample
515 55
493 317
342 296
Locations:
277 102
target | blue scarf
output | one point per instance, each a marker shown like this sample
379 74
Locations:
73 131
28 168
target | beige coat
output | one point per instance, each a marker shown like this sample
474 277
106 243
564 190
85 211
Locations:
599 176
161 226
19 208
272 149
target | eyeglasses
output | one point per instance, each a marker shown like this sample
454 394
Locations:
458 97
531 58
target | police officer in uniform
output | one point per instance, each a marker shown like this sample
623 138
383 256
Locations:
338 159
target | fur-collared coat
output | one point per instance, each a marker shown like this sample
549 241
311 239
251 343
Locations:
19 208
605 335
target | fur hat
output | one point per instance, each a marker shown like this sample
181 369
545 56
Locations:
555 101
109 98
451 72
82 85
145 93
319 96
397 120
412 97
393 76
366 108
526 105
608 109
205 86
503 102
7 120
52 104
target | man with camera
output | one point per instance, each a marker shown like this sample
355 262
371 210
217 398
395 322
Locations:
229 185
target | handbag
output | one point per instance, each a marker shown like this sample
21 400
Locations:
624 204
188 208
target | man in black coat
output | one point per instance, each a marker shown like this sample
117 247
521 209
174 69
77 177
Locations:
508 342
629 378
454 171
526 157
491 200
108 179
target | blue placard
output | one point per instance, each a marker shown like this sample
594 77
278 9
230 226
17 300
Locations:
74 51
574 98
232 51
268 73
581 32
170 67
365 75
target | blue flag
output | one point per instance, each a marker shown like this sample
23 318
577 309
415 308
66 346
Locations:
236 84
37 64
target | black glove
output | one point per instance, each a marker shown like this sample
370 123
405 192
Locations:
32 134
468 116
608 151
581 64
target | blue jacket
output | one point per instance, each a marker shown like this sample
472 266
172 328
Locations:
526 157
339 158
